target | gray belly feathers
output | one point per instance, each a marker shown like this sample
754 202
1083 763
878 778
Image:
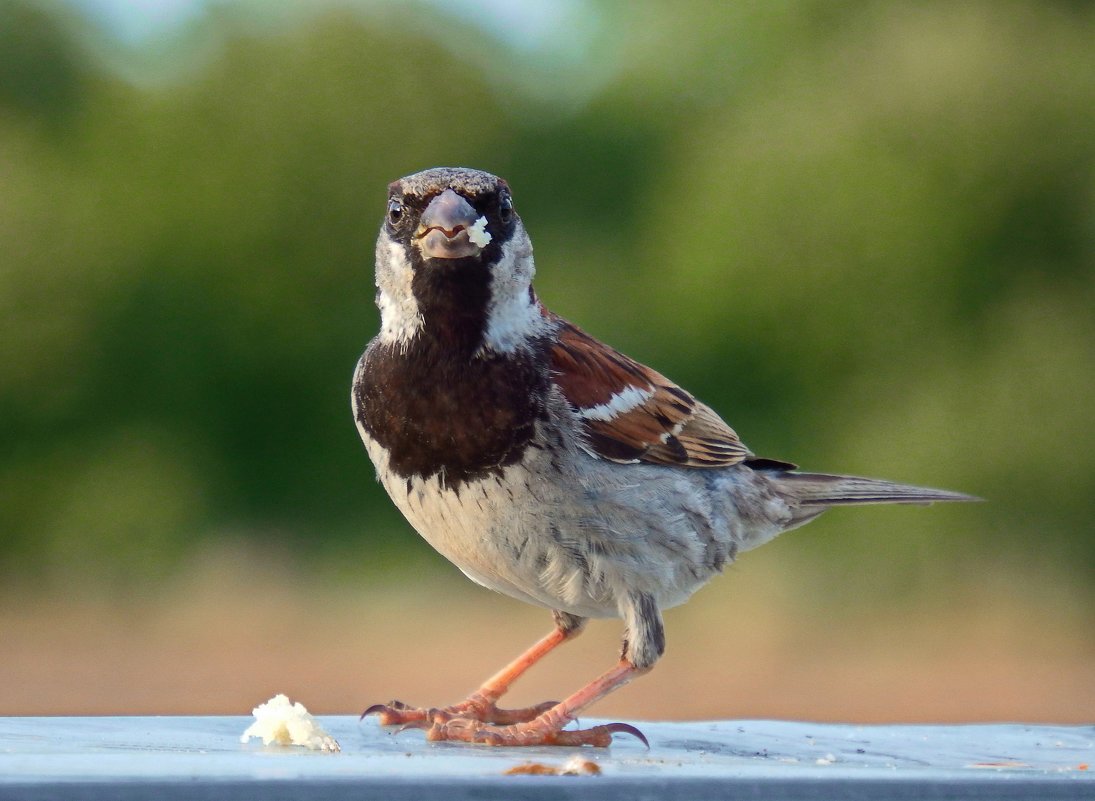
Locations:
565 530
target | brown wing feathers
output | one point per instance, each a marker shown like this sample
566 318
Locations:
632 413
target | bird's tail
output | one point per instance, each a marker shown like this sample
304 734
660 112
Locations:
819 489
810 494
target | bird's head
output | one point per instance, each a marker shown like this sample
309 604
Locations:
453 261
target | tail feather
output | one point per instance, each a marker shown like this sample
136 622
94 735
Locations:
813 490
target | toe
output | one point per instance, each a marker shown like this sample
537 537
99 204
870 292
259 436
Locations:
537 732
395 713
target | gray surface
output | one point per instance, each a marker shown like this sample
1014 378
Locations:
201 757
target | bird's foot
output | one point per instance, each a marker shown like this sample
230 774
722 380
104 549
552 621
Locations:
477 708
543 730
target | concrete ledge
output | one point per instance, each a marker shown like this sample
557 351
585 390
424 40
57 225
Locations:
202 758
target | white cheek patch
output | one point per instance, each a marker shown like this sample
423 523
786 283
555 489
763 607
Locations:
400 317
514 317
622 402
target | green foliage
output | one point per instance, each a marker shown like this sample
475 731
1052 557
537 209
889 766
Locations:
864 232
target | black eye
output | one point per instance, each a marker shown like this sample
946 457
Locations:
505 209
395 211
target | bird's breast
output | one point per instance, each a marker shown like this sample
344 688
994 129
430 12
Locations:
496 529
463 419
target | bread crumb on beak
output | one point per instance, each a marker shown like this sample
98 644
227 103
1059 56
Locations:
478 235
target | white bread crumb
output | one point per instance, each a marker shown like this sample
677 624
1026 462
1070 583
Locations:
282 722
579 766
478 234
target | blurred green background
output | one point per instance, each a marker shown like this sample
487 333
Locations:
864 232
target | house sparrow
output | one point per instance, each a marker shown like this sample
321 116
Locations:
545 464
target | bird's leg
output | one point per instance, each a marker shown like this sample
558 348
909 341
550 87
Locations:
547 727
644 643
481 704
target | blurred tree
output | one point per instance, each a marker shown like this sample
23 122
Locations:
862 231
41 74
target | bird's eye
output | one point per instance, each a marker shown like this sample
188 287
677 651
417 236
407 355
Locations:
505 209
395 211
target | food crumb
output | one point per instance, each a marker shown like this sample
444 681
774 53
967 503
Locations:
575 766
478 234
283 722
579 766
531 769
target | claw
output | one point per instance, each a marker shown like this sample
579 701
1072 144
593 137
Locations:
374 710
393 713
488 738
627 728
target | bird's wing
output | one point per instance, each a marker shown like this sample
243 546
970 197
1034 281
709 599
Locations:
632 413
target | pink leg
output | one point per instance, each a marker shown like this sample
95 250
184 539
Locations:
547 727
481 704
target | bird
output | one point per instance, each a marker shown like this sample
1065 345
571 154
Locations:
545 464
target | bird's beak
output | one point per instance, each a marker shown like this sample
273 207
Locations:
451 228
